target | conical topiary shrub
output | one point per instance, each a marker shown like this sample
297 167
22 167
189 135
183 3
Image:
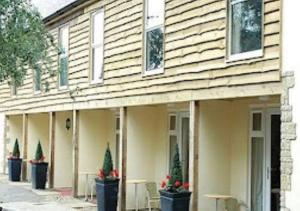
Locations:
16 150
107 184
39 156
176 171
107 163
175 195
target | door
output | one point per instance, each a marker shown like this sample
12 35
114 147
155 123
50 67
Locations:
265 160
179 133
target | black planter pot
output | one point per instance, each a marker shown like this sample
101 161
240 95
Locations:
174 201
14 169
39 175
107 194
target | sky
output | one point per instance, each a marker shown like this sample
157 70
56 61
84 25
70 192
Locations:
48 7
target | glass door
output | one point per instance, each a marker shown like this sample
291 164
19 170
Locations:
265 160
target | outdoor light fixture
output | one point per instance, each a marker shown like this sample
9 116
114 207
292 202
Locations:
68 124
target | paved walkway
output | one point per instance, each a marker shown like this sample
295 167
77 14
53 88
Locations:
17 196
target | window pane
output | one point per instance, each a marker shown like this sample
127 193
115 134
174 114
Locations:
172 122
173 142
37 79
97 63
246 26
154 46
98 28
117 151
257 169
63 72
256 122
64 41
117 123
155 13
185 137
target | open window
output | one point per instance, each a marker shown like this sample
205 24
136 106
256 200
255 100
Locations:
154 37
245 29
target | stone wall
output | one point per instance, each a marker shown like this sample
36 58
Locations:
288 134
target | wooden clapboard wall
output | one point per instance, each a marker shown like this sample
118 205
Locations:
195 57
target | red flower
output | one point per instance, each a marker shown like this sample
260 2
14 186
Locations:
168 177
116 173
163 184
186 185
177 184
101 174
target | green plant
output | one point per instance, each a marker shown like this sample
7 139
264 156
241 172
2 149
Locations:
39 155
107 172
16 150
174 182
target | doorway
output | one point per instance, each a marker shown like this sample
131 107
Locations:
265 160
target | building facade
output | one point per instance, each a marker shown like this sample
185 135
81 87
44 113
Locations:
143 75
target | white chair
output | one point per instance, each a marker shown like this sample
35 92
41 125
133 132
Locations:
152 197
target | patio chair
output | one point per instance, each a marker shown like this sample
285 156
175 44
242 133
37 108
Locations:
152 196
233 204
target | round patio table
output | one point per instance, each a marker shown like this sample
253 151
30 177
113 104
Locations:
136 182
217 197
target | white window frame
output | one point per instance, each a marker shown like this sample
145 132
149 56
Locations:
178 133
146 30
93 46
63 55
244 55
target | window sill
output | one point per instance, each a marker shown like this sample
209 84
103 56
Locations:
61 88
153 72
37 92
245 56
96 82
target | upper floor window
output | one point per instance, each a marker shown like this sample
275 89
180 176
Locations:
63 56
97 46
37 79
245 23
154 37
14 89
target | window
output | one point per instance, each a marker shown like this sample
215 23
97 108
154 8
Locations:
63 56
14 89
154 37
97 46
179 134
245 18
37 79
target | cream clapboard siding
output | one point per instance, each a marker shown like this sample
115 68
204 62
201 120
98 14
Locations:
195 55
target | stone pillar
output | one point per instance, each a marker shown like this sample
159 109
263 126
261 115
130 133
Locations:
288 134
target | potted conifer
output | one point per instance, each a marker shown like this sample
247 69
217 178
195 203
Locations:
39 169
107 185
174 195
15 164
